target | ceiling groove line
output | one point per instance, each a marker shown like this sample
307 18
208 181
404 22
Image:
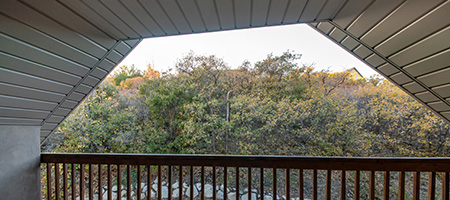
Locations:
136 18
216 11
321 9
105 19
52 37
78 14
79 83
251 13
184 15
417 20
151 16
285 11
37 64
340 9
168 16
268 12
383 19
43 51
61 24
201 14
233 3
387 77
36 77
35 89
118 17
359 15
418 42
303 11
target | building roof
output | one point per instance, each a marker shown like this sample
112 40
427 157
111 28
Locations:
54 53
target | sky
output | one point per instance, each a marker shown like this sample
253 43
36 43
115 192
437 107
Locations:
253 45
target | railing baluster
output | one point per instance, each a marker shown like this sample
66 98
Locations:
139 186
343 194
431 185
225 180
261 182
372 185
237 183
314 180
74 182
91 193
49 181
109 182
129 182
149 182
288 183
180 183
169 187
401 186
416 187
65 191
82 182
328 185
386 185
57 191
300 184
357 186
274 183
119 182
214 182
249 181
445 186
191 188
100 186
159 183
202 182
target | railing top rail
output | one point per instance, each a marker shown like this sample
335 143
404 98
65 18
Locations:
325 163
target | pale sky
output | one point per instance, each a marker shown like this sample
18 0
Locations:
249 44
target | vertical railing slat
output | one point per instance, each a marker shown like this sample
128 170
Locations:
129 182
214 181
372 185
261 182
100 186
149 182
139 186
169 187
65 189
74 182
237 183
249 181
314 180
343 193
357 186
328 185
91 180
401 186
431 185
119 182
180 184
109 182
386 185
288 183
416 186
191 187
225 181
82 182
202 182
159 183
57 190
274 183
300 184
49 181
445 186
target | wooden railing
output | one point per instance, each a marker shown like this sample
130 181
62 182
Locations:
136 176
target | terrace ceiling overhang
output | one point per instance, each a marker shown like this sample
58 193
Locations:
54 53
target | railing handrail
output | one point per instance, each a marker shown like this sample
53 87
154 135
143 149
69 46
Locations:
437 164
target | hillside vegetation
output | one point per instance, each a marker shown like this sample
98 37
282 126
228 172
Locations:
276 107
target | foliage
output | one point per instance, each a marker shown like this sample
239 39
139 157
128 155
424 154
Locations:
276 107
